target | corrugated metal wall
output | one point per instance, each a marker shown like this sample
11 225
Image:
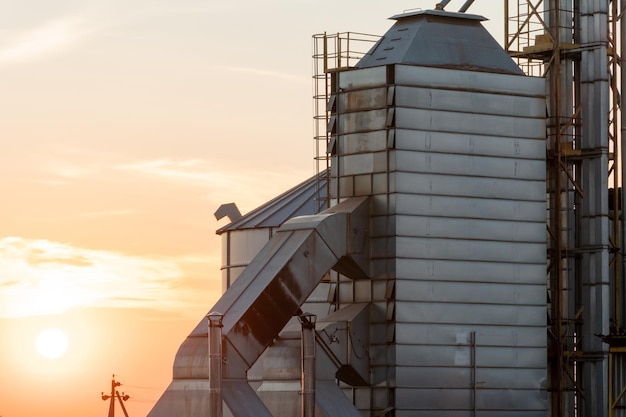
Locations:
455 161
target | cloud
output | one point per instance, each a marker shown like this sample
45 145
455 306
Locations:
190 171
271 74
108 213
52 36
40 277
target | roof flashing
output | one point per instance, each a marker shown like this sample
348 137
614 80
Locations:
442 13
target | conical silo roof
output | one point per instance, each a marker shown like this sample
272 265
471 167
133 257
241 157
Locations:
436 38
300 200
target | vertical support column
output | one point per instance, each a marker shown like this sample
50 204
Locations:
560 137
622 157
215 364
594 236
307 321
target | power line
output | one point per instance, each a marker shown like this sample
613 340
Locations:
115 394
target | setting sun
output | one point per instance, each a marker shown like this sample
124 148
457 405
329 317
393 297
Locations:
51 343
124 125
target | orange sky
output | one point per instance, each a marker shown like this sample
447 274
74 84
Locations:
123 126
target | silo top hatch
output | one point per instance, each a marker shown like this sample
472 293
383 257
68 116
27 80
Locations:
436 38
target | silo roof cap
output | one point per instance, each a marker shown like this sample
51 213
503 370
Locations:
441 39
439 13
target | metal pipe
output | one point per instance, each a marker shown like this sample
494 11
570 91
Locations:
557 219
466 6
441 5
307 321
594 274
215 364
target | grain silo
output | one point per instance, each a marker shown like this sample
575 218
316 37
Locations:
445 133
432 253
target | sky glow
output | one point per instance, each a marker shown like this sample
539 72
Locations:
123 127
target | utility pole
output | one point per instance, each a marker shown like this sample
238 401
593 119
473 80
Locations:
115 394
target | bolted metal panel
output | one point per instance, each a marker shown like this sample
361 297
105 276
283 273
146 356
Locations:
468 144
472 123
432 399
495 356
469 413
362 121
239 247
369 77
532 88
369 99
179 394
332 402
436 313
470 292
472 271
248 244
422 402
365 163
466 207
375 141
468 250
458 228
464 166
242 400
470 186
363 184
459 374
495 378
282 398
479 102
445 334
502 400
191 361
282 361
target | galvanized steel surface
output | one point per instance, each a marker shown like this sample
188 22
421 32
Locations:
298 201
265 297
461 214
244 237
440 39
454 164
594 210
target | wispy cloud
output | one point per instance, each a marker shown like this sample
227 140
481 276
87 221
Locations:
49 37
249 185
271 74
191 171
108 213
41 277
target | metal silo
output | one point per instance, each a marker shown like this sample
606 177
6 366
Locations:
244 236
447 135
435 234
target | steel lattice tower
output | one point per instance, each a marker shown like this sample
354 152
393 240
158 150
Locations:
574 44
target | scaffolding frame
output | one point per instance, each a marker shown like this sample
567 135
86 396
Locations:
331 53
574 45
